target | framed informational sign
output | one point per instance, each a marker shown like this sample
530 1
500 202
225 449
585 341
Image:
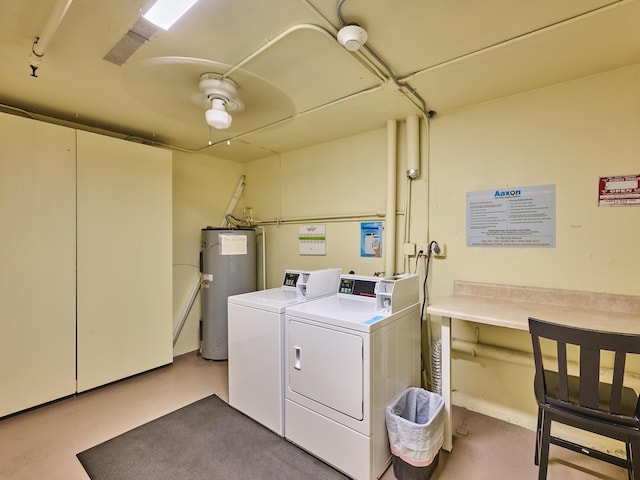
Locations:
371 239
512 217
621 190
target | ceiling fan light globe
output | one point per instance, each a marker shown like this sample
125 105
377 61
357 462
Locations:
217 116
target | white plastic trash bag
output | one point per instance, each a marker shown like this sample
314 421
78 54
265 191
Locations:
415 424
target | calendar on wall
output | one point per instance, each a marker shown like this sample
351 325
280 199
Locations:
312 240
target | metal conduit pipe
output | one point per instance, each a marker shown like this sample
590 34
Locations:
276 123
413 146
363 59
518 357
410 93
390 216
413 171
489 351
511 41
407 224
270 43
325 218
302 26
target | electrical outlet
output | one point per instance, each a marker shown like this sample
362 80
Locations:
423 250
443 251
409 249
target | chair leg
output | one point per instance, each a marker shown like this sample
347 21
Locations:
545 438
634 451
629 460
536 459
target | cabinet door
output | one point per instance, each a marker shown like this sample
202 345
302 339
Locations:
37 258
124 259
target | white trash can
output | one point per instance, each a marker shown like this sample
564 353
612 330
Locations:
415 425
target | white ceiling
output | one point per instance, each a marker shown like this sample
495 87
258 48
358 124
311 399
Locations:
302 87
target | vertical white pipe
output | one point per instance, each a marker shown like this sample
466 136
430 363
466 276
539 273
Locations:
413 146
264 256
413 171
390 216
424 159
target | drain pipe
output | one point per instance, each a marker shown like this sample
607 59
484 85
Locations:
390 216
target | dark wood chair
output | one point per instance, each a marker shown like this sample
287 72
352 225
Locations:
586 401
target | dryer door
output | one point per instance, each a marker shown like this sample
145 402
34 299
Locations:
326 366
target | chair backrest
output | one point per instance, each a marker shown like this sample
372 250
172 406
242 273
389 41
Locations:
587 390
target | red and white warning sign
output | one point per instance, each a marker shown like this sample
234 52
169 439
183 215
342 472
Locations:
619 190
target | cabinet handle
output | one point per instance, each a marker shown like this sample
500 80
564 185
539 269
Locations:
296 355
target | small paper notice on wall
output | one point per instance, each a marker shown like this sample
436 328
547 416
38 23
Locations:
312 240
621 190
233 244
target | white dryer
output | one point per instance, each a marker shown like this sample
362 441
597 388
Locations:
256 342
348 356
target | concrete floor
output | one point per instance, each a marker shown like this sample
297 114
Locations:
42 443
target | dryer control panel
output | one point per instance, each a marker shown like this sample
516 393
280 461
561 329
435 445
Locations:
358 286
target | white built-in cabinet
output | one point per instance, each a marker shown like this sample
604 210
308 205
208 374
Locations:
37 263
85 261
124 259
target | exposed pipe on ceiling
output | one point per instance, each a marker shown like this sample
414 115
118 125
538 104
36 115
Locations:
402 85
370 66
405 79
517 39
330 27
286 33
41 42
277 122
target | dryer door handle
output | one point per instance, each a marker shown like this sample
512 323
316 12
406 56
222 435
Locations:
296 358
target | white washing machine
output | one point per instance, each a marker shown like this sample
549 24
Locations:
348 356
256 342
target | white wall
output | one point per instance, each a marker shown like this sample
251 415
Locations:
202 189
568 135
332 179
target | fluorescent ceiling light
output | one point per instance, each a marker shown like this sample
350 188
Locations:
165 13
